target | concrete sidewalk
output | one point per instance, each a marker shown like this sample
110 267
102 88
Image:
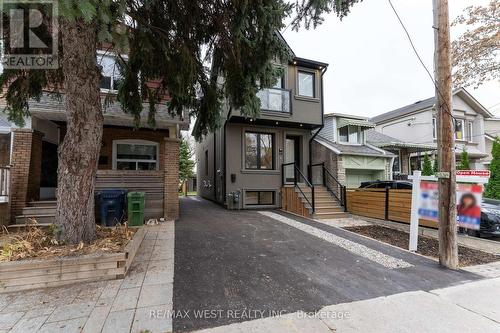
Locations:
468 307
136 303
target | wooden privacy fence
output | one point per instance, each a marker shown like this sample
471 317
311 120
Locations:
384 204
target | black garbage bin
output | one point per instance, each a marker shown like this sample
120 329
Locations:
111 206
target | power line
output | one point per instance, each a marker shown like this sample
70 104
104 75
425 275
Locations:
448 108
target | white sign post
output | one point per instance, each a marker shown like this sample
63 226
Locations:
415 196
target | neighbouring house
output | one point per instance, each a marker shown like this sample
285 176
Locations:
491 131
415 124
251 162
401 150
137 159
342 144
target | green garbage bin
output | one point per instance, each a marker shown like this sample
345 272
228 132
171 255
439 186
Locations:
136 201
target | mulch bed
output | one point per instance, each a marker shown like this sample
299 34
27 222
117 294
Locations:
40 242
426 246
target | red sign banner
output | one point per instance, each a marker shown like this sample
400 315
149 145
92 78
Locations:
474 173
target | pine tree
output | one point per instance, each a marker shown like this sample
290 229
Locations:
427 167
168 42
464 161
493 186
186 164
435 166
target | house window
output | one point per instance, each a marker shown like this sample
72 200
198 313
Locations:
306 84
434 128
280 83
259 151
135 155
459 129
469 132
110 73
350 134
259 198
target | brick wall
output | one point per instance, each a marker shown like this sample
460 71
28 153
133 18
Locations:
171 195
114 133
4 214
19 172
333 162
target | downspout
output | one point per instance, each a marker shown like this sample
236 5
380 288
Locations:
224 193
309 168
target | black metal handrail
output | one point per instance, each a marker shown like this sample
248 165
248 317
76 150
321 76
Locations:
333 185
297 173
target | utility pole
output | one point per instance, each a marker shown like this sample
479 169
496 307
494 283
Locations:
448 249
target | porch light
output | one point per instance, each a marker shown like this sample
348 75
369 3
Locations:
277 123
300 125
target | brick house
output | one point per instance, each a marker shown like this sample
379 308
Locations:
143 159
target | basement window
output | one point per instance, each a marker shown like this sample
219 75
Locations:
135 155
259 198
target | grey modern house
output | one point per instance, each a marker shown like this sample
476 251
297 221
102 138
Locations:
253 159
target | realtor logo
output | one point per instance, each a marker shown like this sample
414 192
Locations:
30 34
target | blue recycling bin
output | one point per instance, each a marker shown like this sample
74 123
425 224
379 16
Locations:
111 206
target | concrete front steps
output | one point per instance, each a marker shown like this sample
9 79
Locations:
327 207
43 212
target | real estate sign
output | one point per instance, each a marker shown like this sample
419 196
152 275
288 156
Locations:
469 197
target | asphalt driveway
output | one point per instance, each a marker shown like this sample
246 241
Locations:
233 266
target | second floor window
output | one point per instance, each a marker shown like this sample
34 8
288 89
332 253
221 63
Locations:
110 72
470 132
350 134
259 151
305 84
459 129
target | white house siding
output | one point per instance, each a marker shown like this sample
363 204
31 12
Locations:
415 128
330 129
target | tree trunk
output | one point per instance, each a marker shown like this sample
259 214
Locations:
79 152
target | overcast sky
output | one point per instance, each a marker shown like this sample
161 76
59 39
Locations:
372 68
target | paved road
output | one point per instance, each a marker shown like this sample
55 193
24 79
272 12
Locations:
230 261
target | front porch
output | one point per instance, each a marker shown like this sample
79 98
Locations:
142 160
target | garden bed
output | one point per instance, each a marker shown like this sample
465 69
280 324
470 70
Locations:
426 246
32 258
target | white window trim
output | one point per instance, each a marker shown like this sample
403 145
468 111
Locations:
470 134
434 128
131 142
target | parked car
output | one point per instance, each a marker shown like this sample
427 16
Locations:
393 184
490 209
490 219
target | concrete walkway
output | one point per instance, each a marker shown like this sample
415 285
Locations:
137 303
466 308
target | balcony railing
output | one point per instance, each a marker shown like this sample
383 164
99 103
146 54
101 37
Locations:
275 100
